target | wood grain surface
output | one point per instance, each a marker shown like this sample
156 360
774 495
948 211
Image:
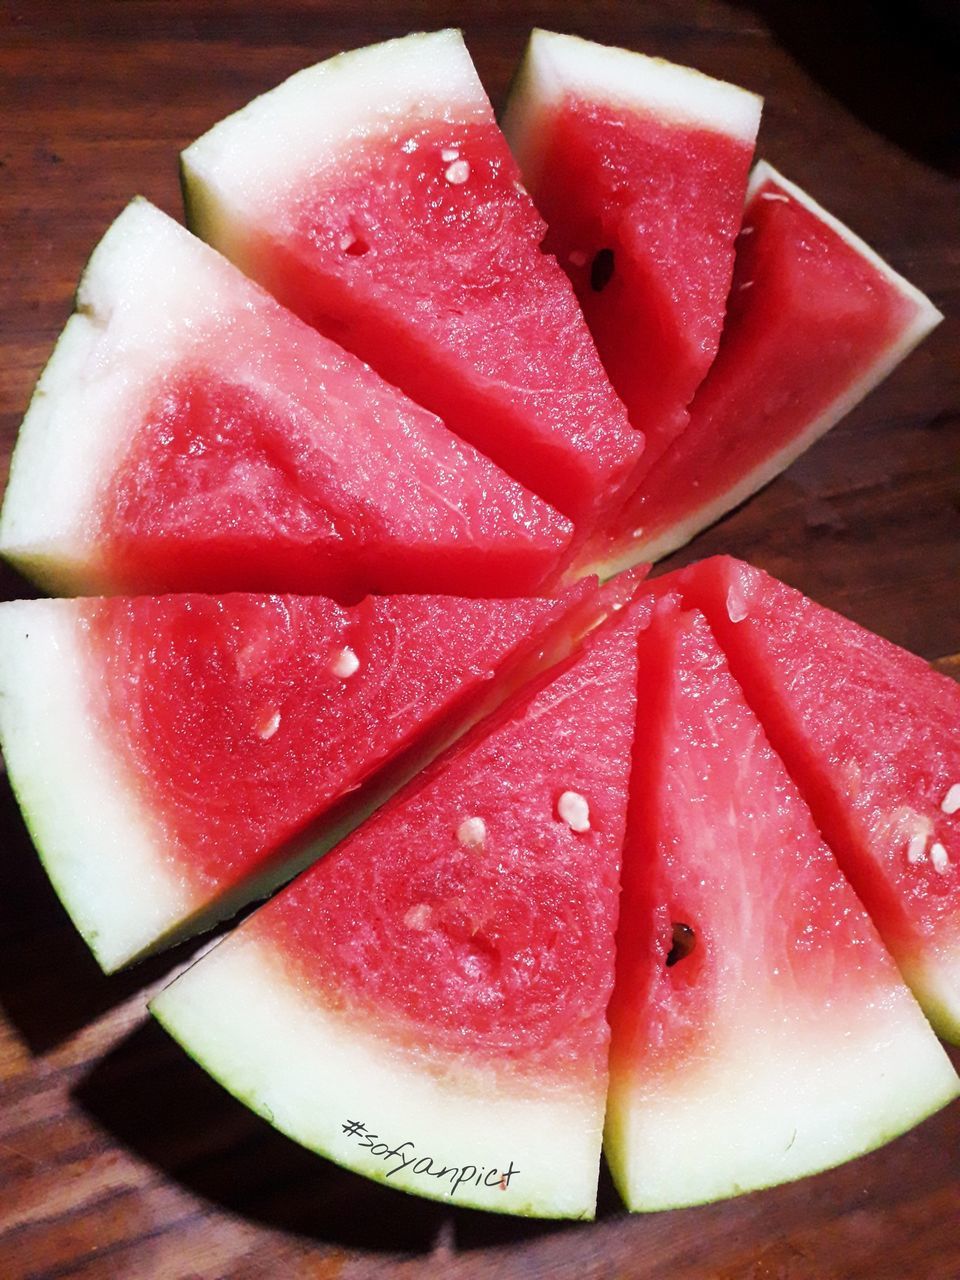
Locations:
118 1157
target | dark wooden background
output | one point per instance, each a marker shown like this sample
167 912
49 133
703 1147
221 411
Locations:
118 1157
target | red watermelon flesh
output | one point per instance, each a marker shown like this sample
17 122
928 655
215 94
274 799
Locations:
870 733
815 320
177 756
191 434
445 971
760 1029
640 169
375 196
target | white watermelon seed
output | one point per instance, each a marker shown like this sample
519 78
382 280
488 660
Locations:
574 810
449 153
951 801
418 917
917 847
346 242
269 724
637 533
345 664
774 195
458 172
747 284
472 832
746 231
939 858
736 605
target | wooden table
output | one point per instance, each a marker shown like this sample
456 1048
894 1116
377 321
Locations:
118 1157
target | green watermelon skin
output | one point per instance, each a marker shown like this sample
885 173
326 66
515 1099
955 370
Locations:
870 733
375 196
189 434
176 757
761 1031
448 992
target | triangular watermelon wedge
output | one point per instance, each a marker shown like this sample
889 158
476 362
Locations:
375 196
815 320
760 1029
426 1005
189 434
640 169
177 756
871 734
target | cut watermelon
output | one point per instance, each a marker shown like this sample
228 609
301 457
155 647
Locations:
426 1005
760 1029
640 169
190 434
178 756
872 735
816 319
376 197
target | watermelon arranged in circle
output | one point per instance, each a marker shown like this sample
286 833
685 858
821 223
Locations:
426 1005
177 756
191 434
640 169
761 1031
375 196
429 1003
872 735
815 320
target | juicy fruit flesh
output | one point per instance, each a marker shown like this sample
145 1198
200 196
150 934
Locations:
231 466
807 317
237 721
870 733
497 948
721 842
429 268
665 201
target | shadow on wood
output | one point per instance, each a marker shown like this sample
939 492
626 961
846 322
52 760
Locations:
896 66
50 984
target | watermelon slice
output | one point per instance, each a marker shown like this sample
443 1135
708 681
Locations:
177 756
376 197
815 320
640 169
426 1005
760 1029
190 434
872 735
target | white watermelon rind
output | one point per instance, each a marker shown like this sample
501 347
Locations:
776 1102
556 65
273 143
93 838
925 318
308 1072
